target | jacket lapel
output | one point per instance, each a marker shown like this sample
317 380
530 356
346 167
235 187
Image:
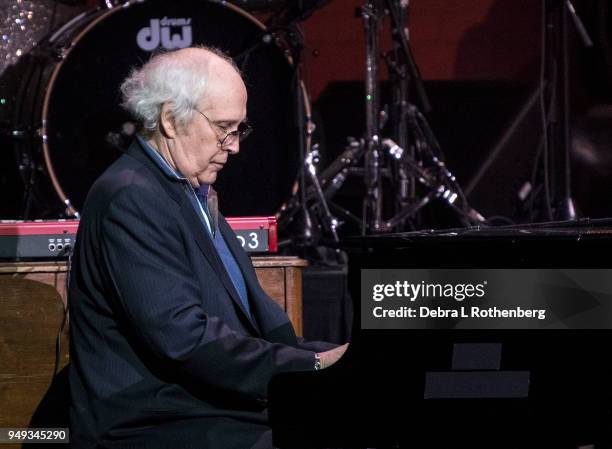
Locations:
207 247
266 312
198 229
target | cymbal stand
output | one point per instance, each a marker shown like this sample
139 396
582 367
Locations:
326 184
329 222
372 204
430 172
404 186
368 148
296 212
382 157
423 163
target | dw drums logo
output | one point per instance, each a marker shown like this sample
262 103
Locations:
160 31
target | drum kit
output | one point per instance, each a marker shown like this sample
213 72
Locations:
61 111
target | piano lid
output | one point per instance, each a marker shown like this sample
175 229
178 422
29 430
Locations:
559 229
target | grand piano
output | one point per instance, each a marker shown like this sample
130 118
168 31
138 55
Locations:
460 382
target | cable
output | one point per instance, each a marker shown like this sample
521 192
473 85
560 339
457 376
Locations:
65 319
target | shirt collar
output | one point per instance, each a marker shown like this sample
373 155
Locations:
160 161
202 190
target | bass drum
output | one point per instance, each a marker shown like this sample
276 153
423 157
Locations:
73 91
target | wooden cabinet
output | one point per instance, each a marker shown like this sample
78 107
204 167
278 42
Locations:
281 278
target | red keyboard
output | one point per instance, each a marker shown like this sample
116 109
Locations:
47 239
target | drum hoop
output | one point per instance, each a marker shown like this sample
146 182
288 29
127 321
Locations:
70 209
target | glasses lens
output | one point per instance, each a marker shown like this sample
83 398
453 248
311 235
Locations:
244 129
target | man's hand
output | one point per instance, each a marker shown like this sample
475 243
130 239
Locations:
328 358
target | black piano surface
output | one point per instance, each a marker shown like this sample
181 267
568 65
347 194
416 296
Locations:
376 395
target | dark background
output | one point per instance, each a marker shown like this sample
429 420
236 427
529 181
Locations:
480 61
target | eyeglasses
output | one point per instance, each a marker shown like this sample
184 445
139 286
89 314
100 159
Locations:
241 132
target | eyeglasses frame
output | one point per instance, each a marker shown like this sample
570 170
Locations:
241 135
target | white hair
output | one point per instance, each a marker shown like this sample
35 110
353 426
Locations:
166 78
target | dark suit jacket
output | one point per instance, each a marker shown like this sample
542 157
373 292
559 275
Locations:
162 352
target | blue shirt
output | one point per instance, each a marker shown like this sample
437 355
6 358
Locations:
198 200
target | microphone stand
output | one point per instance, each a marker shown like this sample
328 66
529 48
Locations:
398 15
372 203
557 86
430 172
297 45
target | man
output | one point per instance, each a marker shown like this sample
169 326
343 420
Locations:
173 342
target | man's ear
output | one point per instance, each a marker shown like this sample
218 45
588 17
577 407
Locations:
167 124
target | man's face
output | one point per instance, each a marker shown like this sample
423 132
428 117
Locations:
195 149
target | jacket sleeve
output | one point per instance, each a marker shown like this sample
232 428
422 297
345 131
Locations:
315 345
157 295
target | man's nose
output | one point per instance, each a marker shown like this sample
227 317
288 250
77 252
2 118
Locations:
234 147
